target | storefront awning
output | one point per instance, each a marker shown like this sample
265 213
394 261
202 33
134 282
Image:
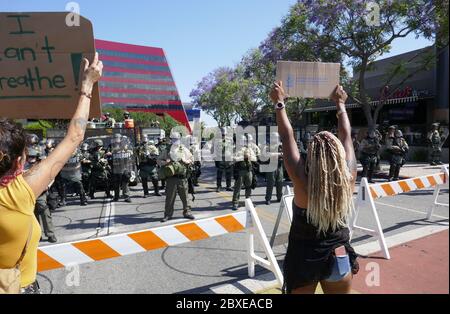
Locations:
373 104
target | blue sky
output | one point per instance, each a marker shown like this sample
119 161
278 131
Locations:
197 35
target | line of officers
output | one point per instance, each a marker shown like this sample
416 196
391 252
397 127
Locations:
242 165
94 168
396 148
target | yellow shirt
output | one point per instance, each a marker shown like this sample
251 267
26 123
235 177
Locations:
17 203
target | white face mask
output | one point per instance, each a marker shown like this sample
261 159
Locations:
176 141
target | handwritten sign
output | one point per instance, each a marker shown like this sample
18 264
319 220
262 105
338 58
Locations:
40 58
308 79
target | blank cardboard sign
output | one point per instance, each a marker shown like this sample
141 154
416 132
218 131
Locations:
40 57
308 79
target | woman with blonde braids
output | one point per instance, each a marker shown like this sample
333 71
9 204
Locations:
319 248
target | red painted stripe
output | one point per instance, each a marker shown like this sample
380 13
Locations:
135 81
126 70
135 61
141 101
137 91
111 45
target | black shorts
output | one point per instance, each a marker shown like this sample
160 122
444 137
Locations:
310 257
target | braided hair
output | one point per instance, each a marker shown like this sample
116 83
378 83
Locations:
329 183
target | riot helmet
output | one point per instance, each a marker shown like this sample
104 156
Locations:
84 147
98 144
33 139
117 139
50 143
398 134
371 133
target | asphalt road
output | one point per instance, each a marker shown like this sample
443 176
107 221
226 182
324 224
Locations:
196 266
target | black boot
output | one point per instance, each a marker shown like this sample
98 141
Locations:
370 175
397 173
156 187
166 219
187 214
391 173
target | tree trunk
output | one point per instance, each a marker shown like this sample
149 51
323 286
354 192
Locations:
363 94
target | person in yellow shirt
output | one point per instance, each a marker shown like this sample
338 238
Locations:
19 190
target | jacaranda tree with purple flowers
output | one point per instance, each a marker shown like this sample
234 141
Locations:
360 31
226 95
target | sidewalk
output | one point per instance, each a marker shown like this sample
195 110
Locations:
417 267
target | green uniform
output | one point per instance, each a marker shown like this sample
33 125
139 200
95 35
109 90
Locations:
148 167
176 178
121 171
275 178
162 147
41 208
224 164
71 176
436 141
43 215
369 150
100 172
244 167
86 170
197 166
398 149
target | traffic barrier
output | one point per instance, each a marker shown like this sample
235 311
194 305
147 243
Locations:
87 251
285 207
255 228
367 195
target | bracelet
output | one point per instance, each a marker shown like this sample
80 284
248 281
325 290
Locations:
86 94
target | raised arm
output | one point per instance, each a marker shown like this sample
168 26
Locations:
345 129
41 175
292 159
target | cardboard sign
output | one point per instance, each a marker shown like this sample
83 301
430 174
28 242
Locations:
40 59
308 79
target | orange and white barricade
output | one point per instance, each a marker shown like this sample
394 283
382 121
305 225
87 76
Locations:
87 251
367 195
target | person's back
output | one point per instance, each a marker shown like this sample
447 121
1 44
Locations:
319 248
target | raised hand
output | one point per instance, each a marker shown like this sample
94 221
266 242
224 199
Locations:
278 94
339 96
91 73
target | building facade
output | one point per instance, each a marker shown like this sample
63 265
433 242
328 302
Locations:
138 78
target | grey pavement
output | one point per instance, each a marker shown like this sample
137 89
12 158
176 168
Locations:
197 267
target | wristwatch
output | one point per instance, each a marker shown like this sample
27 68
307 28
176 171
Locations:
280 106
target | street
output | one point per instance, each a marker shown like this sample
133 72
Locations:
197 267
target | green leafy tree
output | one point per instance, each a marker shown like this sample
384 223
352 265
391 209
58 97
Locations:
360 33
